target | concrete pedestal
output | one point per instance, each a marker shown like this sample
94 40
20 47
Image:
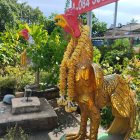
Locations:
46 118
20 106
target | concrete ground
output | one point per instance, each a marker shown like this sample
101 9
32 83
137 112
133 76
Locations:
67 123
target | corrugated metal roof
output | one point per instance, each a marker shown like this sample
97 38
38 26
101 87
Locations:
130 27
125 30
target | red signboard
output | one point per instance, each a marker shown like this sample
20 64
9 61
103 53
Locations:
83 6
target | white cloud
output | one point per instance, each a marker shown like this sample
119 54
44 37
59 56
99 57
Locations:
127 10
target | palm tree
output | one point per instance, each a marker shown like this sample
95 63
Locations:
133 20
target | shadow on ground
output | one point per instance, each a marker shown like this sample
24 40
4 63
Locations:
67 123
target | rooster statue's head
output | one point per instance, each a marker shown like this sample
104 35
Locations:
25 34
69 21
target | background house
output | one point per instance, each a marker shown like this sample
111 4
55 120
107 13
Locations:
129 29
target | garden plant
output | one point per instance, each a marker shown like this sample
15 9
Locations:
46 52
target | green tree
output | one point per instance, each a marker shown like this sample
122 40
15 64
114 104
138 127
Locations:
116 55
9 47
98 28
47 50
11 11
29 14
8 13
133 20
67 4
49 23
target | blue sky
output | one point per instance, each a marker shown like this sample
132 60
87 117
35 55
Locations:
127 9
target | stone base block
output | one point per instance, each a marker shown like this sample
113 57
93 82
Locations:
19 94
35 121
20 106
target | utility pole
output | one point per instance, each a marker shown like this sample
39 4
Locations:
115 18
89 22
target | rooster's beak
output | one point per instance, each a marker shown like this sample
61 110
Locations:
60 21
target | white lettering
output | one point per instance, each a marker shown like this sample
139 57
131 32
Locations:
93 2
87 3
83 4
96 1
79 5
73 5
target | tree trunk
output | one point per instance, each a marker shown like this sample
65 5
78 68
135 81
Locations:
37 77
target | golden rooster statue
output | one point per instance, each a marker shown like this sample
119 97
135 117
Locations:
83 82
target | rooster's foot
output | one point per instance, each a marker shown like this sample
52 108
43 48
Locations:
76 137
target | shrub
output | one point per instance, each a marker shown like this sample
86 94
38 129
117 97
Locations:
106 117
7 82
115 54
119 58
16 133
97 55
21 76
132 75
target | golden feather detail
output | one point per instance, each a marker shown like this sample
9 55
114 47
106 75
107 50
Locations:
70 60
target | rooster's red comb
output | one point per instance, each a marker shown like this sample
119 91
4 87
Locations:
24 33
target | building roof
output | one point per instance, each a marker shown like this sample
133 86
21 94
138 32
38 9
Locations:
132 28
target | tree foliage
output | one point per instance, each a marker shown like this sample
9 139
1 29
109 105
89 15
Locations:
98 28
46 50
116 52
49 23
30 15
9 49
11 11
8 13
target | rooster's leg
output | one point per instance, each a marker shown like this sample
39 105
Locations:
83 125
94 124
83 131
